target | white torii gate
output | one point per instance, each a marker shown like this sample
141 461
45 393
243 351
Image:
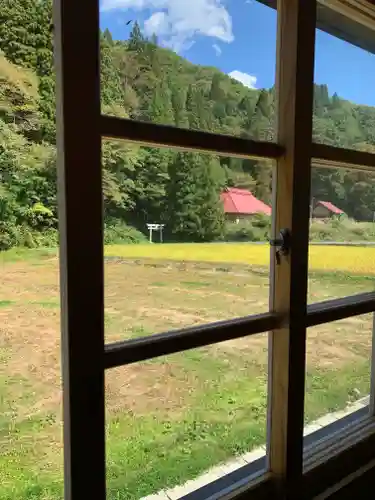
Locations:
152 227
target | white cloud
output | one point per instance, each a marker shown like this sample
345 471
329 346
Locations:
157 23
106 5
177 22
217 49
246 79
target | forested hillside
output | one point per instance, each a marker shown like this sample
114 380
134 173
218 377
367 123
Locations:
146 82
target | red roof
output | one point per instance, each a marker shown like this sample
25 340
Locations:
331 207
241 201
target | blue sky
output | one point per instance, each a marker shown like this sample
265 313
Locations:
239 37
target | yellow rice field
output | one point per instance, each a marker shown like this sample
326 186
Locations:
352 260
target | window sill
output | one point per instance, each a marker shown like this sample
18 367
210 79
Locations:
328 457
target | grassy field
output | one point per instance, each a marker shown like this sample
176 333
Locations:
170 418
353 260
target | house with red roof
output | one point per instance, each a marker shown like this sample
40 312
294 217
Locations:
240 204
326 210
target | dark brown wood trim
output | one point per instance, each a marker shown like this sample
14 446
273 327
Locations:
81 247
331 157
348 20
260 488
331 441
131 351
359 484
336 309
143 348
152 134
372 373
340 458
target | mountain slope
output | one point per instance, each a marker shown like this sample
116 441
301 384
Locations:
143 81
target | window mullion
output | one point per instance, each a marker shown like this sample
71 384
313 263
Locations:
372 383
295 72
76 41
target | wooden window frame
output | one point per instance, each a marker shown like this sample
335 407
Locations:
290 467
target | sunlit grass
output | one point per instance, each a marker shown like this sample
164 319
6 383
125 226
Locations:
171 418
352 260
355 260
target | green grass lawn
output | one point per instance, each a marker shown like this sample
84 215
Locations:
170 418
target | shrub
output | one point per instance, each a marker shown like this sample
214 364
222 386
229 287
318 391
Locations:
47 238
246 231
262 221
359 230
119 232
23 236
337 223
319 231
7 237
13 235
342 229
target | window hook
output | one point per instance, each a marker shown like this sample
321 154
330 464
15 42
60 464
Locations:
282 244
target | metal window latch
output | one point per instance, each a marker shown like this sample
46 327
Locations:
282 244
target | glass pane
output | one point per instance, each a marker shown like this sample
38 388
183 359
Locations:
176 418
30 392
344 103
338 370
342 233
200 65
185 238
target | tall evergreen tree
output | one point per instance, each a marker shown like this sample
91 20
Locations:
107 35
136 39
112 83
325 95
179 107
199 114
161 105
194 206
263 104
261 125
335 103
217 93
247 104
151 182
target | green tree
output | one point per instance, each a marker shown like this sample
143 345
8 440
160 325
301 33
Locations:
179 107
261 124
151 181
260 172
263 105
120 163
247 105
217 93
143 81
194 206
112 84
27 186
335 103
136 39
161 105
19 98
107 36
26 40
200 117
